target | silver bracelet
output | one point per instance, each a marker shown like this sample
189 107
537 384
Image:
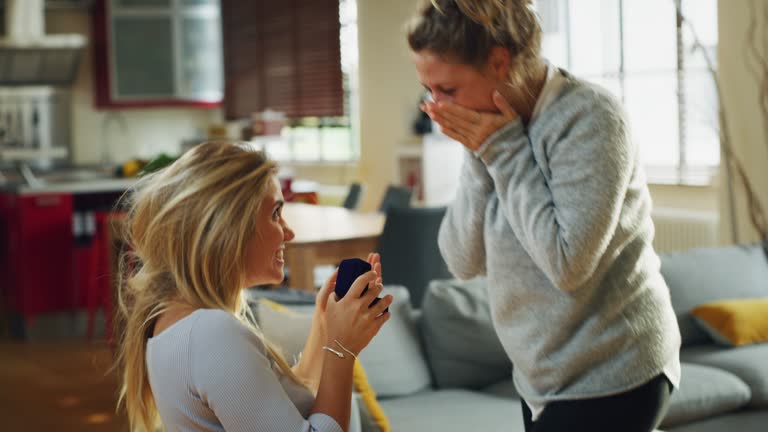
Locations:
345 348
331 350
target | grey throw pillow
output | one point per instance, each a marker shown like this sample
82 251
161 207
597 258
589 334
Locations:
701 276
394 360
705 392
747 362
461 343
285 327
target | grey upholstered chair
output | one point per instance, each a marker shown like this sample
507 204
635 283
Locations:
395 196
409 251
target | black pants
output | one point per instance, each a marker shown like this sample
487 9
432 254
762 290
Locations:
638 410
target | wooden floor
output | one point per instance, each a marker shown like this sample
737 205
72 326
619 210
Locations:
62 386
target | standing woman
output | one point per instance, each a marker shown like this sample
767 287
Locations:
554 208
201 230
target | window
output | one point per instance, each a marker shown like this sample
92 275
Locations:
645 55
299 59
328 139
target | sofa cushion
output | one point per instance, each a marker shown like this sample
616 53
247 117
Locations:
394 360
288 328
734 322
461 344
705 392
743 421
700 276
503 389
453 410
749 363
282 295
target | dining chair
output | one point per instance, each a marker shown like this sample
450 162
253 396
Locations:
355 194
395 197
409 252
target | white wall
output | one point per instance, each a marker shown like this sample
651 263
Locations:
699 198
747 122
146 132
389 91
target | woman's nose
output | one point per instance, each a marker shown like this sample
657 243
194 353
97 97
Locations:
288 233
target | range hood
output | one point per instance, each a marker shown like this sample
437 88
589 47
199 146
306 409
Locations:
30 57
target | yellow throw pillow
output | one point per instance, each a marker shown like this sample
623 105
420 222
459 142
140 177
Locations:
368 396
735 322
292 332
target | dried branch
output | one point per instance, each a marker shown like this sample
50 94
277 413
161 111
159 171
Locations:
757 63
756 212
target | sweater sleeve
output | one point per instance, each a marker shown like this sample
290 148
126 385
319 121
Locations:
565 211
231 374
460 238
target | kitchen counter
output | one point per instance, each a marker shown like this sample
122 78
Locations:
83 180
73 187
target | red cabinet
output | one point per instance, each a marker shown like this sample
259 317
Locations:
37 252
7 279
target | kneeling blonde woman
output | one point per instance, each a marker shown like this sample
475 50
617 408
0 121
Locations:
200 231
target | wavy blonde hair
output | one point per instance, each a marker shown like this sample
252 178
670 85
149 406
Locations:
187 227
468 29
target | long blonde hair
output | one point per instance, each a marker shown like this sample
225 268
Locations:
468 29
186 228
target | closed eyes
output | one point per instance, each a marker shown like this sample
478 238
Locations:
440 89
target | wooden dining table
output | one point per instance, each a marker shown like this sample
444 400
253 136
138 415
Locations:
326 235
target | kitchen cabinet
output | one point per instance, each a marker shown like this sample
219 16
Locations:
158 53
7 279
50 259
37 251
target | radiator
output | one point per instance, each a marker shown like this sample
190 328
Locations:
680 229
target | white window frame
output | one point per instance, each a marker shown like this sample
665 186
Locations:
683 172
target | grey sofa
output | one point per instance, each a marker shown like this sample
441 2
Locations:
727 386
442 367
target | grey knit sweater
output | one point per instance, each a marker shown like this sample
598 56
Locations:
558 216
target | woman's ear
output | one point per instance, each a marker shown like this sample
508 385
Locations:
498 62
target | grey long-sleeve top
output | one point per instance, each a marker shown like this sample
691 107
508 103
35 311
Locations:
208 372
558 216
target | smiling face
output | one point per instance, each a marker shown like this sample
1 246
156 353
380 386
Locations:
264 257
469 86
